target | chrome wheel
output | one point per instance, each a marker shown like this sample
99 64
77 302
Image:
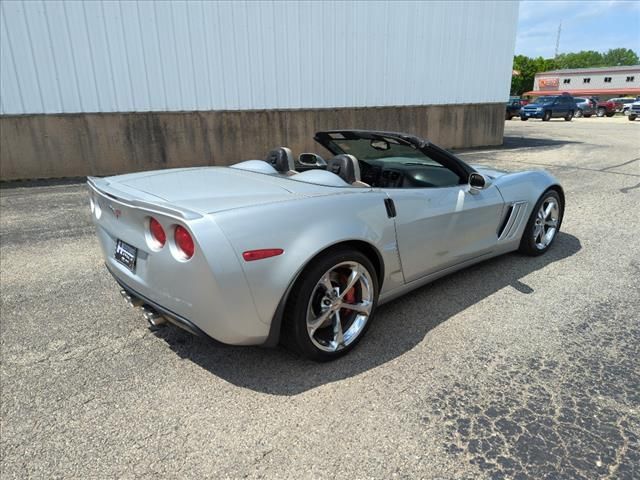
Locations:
546 223
340 306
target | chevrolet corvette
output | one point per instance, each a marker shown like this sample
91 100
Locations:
301 251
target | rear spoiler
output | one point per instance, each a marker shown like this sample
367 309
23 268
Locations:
111 193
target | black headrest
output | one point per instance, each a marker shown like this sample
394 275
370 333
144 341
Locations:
281 159
346 167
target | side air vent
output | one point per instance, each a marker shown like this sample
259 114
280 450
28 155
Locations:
513 220
507 217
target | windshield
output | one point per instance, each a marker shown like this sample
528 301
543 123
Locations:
546 100
386 150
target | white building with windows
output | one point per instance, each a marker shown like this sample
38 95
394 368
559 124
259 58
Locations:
607 82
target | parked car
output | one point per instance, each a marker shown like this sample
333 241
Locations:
634 110
607 108
550 106
257 253
523 101
585 107
513 109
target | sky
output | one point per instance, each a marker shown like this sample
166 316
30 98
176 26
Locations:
586 25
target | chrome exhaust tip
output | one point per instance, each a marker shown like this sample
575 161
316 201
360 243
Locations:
132 301
154 318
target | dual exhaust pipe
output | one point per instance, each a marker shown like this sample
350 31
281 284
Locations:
155 319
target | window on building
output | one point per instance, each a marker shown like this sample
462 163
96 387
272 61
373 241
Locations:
631 79
607 79
566 80
586 80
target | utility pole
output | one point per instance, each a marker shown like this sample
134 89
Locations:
558 39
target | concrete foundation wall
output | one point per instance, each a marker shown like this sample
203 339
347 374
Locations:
73 145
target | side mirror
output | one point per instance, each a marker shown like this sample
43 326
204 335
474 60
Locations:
477 182
312 160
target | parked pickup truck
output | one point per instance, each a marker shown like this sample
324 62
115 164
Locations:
634 111
550 106
607 108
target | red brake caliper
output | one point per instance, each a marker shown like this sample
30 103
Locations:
349 297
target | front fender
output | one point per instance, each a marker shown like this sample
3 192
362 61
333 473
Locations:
524 188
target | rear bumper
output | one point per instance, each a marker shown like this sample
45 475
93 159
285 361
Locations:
217 313
207 294
173 317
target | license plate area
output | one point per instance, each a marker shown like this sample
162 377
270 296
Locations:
126 254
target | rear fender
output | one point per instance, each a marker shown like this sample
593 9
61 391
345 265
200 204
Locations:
304 228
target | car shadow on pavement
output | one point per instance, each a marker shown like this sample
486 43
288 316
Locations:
397 328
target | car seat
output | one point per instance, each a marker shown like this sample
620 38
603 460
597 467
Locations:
282 160
346 167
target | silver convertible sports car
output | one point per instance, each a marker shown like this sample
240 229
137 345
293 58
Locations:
301 252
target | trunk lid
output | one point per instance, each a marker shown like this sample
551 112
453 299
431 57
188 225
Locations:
215 189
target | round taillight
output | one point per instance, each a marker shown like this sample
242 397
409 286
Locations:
157 232
184 242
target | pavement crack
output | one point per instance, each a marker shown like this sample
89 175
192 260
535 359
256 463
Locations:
621 452
620 164
626 189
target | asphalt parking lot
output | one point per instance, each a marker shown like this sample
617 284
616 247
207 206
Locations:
516 368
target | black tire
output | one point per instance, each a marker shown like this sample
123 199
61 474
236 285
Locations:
588 115
579 113
632 117
611 114
547 116
569 116
600 112
524 119
527 242
294 329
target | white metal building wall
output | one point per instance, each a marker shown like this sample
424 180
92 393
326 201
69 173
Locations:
122 56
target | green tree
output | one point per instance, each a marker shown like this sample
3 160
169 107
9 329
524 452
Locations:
583 59
525 70
620 56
